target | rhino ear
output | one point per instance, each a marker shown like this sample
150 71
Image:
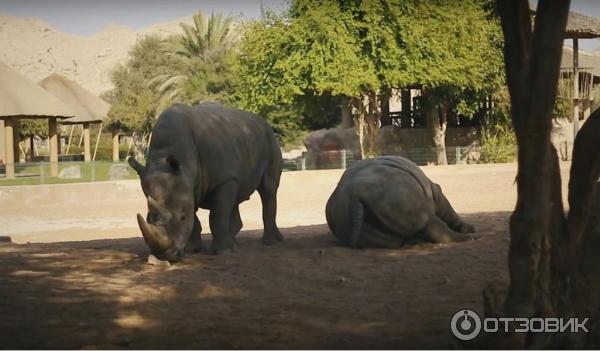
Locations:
139 168
173 164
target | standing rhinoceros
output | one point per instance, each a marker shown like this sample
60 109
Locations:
387 202
212 157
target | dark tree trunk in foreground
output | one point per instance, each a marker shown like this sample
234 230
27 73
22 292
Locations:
551 274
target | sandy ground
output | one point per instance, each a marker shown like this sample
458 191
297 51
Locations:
306 292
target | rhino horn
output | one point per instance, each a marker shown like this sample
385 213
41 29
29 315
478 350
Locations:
163 214
155 236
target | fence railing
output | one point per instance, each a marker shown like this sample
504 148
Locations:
341 159
32 173
72 172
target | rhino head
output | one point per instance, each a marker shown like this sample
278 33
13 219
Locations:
169 222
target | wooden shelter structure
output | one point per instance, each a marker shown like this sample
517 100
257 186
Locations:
21 98
88 108
579 26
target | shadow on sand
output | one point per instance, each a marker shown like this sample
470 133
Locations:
306 292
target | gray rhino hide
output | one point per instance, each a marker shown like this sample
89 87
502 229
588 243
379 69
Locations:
387 202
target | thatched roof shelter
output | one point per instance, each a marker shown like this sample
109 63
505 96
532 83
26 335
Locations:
579 26
21 98
88 108
582 26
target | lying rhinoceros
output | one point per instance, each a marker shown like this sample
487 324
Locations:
387 202
212 157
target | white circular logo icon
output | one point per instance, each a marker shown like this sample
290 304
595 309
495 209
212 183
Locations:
465 325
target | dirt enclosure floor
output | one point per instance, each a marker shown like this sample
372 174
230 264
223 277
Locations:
306 292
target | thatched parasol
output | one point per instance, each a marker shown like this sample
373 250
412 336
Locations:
582 26
88 108
579 26
21 98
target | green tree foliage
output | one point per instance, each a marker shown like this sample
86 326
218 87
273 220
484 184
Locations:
288 63
203 54
134 104
360 49
498 140
186 68
33 127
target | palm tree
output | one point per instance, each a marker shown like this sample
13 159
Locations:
203 51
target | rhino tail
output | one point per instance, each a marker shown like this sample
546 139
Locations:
357 212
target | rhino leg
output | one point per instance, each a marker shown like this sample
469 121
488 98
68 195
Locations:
268 195
437 231
235 222
447 214
465 228
194 244
220 215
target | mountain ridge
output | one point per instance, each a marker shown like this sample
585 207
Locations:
36 49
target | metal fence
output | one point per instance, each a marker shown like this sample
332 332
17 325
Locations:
341 159
72 172
32 173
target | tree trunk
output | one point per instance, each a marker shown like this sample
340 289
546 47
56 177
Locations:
359 123
542 271
437 122
346 106
373 121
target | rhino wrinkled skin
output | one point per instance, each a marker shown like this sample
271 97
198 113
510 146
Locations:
387 202
212 157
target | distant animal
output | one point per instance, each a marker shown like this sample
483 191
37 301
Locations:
387 202
212 157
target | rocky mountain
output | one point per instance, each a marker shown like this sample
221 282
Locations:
36 49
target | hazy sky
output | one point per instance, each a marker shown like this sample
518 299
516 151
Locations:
86 17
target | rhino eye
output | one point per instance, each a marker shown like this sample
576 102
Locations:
183 218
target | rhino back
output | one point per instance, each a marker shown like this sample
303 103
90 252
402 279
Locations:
394 193
217 143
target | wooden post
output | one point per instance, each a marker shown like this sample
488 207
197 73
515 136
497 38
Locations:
97 141
70 138
31 148
130 143
575 87
16 141
86 142
9 154
115 146
384 99
53 139
80 138
59 138
405 116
